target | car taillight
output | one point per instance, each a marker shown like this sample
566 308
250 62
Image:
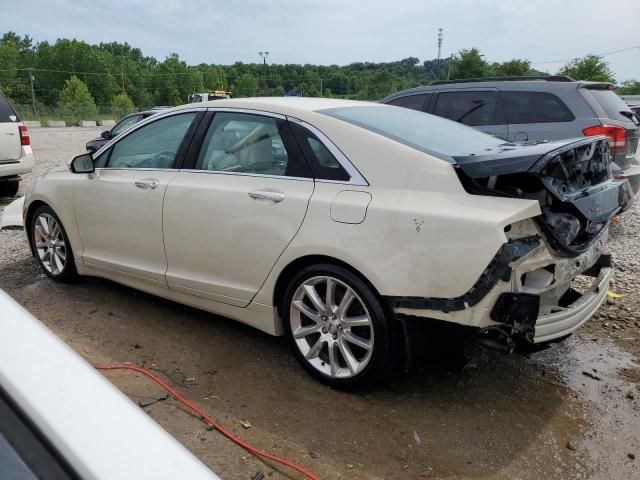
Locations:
617 135
24 135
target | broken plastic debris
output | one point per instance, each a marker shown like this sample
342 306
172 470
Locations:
246 424
612 294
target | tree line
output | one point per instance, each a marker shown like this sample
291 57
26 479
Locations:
80 79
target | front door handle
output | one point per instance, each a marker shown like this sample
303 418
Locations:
275 197
147 183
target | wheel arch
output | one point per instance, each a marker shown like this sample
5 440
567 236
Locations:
295 266
33 206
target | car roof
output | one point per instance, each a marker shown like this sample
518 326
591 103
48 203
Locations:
282 105
539 84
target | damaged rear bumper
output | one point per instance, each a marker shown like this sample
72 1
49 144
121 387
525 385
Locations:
563 322
528 291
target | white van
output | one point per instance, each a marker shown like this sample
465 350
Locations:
16 156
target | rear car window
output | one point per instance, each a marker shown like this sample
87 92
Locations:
415 102
470 108
322 162
535 107
611 103
418 130
7 113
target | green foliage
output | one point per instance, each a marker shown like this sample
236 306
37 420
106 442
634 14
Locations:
589 67
470 64
247 86
122 105
629 87
76 100
513 68
381 84
111 69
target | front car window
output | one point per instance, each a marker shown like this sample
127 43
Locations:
470 108
534 107
154 145
124 124
422 131
247 143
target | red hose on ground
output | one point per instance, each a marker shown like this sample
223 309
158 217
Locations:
208 419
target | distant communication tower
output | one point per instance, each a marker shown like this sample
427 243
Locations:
440 36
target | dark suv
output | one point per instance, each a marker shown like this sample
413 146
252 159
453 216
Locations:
535 109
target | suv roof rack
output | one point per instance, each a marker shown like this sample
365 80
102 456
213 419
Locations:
548 78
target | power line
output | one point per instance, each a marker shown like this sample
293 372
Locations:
597 55
195 72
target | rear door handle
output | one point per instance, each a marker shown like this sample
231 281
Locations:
275 197
147 183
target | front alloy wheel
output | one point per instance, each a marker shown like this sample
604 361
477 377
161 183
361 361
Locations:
337 326
51 245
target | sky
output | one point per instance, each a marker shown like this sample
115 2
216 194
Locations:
341 31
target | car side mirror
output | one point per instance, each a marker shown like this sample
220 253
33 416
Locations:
83 163
106 134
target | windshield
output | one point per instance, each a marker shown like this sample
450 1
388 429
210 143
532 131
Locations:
422 131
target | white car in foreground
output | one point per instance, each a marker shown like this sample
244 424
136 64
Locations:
16 156
61 419
333 222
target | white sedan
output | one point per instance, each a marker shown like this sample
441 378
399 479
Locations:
335 223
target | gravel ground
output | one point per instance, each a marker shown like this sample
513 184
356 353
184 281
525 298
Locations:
499 417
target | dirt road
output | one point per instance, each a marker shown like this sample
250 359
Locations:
498 417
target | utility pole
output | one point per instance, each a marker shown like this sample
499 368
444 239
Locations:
450 62
321 87
440 36
33 97
264 56
122 73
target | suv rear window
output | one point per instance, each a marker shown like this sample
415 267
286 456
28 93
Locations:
7 111
470 108
535 107
611 103
415 102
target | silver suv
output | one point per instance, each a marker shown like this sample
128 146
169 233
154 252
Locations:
16 156
535 109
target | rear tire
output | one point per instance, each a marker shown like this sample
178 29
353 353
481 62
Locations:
337 328
9 188
51 245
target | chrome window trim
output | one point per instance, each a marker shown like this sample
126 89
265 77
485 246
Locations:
356 177
245 174
249 111
137 169
142 123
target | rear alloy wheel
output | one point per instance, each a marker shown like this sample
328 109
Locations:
337 327
51 245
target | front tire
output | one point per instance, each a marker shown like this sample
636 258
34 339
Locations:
337 327
51 245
